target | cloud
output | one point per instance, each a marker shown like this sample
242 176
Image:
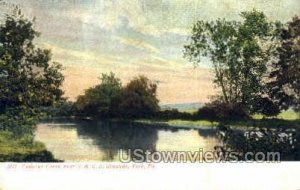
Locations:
133 37
81 58
177 16
112 11
137 43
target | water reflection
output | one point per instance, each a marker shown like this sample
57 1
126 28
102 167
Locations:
102 141
208 132
111 137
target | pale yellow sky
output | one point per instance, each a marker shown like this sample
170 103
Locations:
134 37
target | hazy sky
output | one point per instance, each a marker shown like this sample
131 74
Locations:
133 37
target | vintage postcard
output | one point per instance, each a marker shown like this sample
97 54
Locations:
149 89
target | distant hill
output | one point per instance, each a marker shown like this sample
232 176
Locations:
182 106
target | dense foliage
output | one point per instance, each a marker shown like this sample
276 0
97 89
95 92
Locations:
285 76
28 80
101 100
109 99
261 140
139 98
218 110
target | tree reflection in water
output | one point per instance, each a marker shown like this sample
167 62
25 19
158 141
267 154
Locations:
111 137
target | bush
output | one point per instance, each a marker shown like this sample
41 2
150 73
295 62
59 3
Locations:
266 107
173 114
222 111
282 140
20 121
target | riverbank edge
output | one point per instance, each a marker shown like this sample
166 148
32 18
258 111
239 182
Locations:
20 150
239 124
196 124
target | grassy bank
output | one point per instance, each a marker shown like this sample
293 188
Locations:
22 150
179 123
285 119
271 123
286 115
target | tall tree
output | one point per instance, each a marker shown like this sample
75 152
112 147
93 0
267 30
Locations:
101 100
28 80
239 52
285 77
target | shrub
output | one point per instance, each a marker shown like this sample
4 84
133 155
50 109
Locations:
266 107
221 110
282 140
174 114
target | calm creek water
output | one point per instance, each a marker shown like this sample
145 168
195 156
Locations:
102 141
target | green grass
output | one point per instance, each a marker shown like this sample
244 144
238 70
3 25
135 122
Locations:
286 115
270 123
179 123
285 119
289 115
22 149
9 145
204 123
